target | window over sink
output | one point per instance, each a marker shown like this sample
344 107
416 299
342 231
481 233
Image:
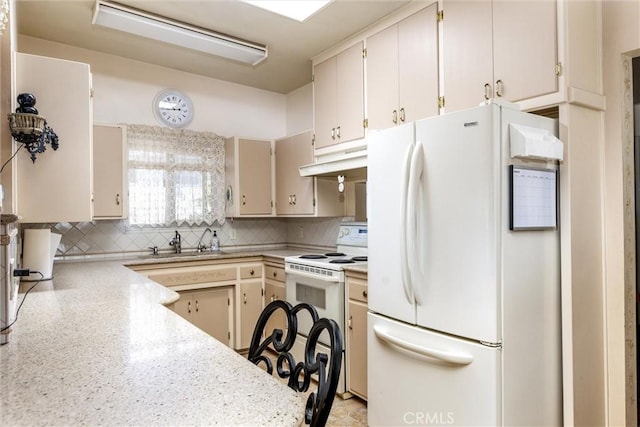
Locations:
175 176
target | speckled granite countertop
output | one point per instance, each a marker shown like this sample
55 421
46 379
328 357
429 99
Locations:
96 347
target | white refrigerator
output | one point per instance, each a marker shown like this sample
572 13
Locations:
464 271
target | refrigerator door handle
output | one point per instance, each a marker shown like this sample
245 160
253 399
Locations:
418 350
404 241
415 177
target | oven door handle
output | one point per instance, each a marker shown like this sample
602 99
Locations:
312 276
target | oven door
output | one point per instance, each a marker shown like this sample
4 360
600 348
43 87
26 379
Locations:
326 294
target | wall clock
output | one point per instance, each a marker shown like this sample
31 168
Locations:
173 108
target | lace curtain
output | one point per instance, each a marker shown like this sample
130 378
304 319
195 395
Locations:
176 176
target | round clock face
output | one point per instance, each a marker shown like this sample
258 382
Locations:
173 108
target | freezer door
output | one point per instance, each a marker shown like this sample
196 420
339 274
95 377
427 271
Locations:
418 377
459 224
388 156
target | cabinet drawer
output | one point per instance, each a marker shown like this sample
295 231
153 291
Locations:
250 272
191 277
358 290
274 273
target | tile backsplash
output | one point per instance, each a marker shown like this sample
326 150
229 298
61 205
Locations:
117 237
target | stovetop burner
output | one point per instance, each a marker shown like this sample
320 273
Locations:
342 261
359 258
331 254
312 256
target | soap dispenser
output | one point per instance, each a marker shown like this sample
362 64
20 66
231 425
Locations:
215 242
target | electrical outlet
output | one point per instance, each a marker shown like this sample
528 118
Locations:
232 234
301 232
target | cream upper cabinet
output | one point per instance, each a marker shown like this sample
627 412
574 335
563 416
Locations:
402 71
500 49
109 172
249 177
338 94
294 194
58 186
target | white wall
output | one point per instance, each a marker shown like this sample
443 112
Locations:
300 110
124 90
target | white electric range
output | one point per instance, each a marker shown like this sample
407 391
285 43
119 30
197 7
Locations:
318 279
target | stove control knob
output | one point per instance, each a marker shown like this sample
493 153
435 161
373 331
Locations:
346 231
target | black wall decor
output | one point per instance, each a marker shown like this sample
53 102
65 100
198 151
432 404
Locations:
31 129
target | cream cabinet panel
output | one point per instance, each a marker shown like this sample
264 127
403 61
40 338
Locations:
500 49
338 91
249 177
58 186
209 309
294 194
525 50
274 289
251 304
402 71
109 172
356 350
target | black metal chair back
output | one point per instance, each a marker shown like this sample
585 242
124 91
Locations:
298 375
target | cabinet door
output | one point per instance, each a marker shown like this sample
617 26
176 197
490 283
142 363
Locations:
275 291
250 309
211 308
58 186
254 163
382 78
524 48
184 305
324 102
357 352
418 65
350 97
108 172
294 194
467 53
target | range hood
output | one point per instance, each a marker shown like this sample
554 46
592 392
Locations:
352 165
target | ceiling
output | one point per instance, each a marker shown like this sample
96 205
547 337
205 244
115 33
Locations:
291 44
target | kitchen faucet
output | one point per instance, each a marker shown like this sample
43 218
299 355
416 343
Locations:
202 247
176 242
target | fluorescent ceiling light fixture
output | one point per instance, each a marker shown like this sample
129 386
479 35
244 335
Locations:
299 10
135 21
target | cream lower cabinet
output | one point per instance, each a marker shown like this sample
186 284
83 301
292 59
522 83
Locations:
208 309
402 71
498 49
109 172
57 187
249 177
250 294
356 334
274 289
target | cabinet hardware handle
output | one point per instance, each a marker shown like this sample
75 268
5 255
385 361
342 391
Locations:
338 131
273 298
499 88
118 199
244 199
350 322
294 199
244 297
275 274
290 199
365 293
252 272
402 114
189 307
333 133
394 117
197 309
487 91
